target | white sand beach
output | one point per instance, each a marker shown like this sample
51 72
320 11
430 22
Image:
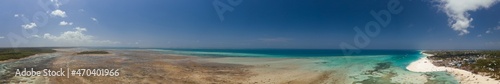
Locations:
464 77
424 65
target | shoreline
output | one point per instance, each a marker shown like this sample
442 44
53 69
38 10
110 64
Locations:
465 77
424 65
142 66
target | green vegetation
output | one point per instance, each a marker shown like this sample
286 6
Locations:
486 62
492 53
93 52
17 53
489 66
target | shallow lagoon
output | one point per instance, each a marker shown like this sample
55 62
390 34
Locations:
370 66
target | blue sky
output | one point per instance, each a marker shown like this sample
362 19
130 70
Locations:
311 24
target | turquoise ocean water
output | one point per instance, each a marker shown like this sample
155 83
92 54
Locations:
368 66
401 58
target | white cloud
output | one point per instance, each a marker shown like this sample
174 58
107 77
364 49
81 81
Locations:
59 13
94 19
479 35
81 29
29 25
18 15
63 23
488 31
1 37
497 28
35 36
77 37
70 36
457 11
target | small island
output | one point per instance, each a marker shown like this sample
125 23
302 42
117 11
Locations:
17 53
92 52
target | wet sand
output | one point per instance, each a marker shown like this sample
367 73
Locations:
141 66
285 71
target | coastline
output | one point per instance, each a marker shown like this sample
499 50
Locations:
424 65
463 76
158 67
